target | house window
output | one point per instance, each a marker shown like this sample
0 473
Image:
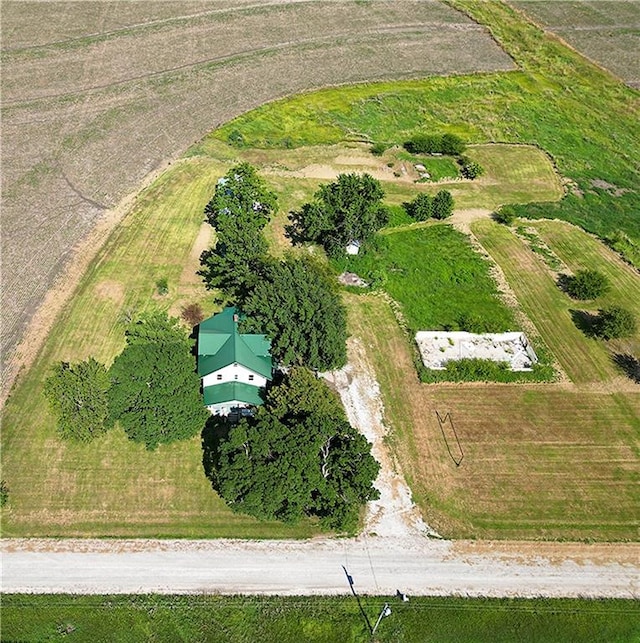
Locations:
251 378
219 376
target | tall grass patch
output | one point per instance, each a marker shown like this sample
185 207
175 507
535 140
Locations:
439 280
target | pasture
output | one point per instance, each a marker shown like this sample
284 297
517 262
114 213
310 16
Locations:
253 618
607 32
96 98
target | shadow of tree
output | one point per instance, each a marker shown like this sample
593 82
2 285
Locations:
585 321
215 430
564 282
629 364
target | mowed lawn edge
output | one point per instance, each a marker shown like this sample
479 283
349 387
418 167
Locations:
112 487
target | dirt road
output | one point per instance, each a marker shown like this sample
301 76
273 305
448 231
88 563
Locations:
377 565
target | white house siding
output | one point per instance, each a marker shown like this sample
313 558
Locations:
234 373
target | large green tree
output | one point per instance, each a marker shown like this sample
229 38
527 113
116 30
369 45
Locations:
155 391
239 209
348 209
78 394
297 305
298 456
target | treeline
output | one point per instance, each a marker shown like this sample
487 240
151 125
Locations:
294 301
297 455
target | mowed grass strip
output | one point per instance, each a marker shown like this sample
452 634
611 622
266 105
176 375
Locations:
298 618
540 461
113 487
584 359
581 251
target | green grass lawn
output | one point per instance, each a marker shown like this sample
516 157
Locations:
113 487
557 100
252 618
438 279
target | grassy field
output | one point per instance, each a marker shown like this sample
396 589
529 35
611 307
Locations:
605 31
112 487
438 279
540 461
557 100
236 619
584 359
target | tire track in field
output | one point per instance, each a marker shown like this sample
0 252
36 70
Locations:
400 32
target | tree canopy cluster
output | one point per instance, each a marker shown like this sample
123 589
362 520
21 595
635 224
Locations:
151 389
296 303
349 209
425 207
614 322
468 168
505 214
78 394
155 390
587 284
293 301
298 456
448 144
239 209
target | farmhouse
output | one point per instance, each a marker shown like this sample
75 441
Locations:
234 367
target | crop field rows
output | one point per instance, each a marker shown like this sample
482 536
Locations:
606 31
102 97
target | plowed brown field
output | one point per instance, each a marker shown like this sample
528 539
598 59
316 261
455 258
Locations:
96 96
606 31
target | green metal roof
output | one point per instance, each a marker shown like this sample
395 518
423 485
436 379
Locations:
231 392
220 344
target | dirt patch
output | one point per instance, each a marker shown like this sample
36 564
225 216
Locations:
393 515
111 290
